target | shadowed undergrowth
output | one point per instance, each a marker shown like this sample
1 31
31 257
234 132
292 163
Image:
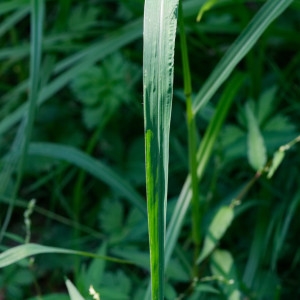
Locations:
102 101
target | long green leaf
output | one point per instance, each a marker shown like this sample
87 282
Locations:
73 292
17 253
160 20
216 230
76 64
265 16
36 36
7 6
268 13
192 140
10 21
203 155
92 166
80 61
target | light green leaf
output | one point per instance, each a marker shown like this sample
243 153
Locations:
256 147
206 288
205 7
73 292
223 267
203 156
276 161
17 253
216 230
160 20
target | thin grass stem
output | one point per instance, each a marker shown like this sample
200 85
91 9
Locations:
37 16
191 127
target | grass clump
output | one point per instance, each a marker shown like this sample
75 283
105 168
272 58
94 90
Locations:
130 122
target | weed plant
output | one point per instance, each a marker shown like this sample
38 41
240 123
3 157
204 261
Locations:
149 150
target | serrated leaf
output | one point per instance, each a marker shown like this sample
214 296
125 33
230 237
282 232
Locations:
96 268
118 283
279 123
73 292
102 89
265 104
216 230
256 147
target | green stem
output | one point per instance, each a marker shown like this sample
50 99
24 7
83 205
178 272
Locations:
26 126
191 126
78 190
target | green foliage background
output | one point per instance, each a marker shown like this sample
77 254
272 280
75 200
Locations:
80 82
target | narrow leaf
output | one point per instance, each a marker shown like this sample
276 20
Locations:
160 18
217 228
36 37
205 7
92 166
256 147
17 253
276 161
73 292
265 16
203 155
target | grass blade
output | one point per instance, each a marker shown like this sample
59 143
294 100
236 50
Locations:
7 6
268 13
36 31
257 155
91 166
17 253
73 292
265 16
192 143
203 155
160 20
10 21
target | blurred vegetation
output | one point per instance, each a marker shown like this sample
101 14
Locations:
90 99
